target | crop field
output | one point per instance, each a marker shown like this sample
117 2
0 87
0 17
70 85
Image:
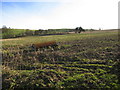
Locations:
85 60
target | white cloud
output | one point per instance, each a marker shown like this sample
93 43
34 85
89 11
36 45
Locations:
88 13
73 13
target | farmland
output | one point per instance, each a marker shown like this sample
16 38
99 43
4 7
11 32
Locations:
85 60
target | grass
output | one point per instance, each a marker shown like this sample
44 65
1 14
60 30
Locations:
86 60
58 38
12 33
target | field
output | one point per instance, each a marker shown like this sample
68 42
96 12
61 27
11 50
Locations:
8 33
15 33
85 60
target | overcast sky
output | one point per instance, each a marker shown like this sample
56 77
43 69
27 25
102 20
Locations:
45 14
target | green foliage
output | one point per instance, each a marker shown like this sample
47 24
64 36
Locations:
35 78
86 80
12 33
53 32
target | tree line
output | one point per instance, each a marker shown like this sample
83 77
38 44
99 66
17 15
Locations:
13 33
